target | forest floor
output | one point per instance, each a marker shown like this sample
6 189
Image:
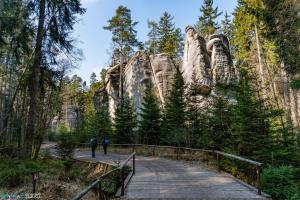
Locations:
57 179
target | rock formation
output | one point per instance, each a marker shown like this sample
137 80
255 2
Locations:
207 63
196 61
223 71
142 69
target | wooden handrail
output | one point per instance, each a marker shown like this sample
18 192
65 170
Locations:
103 176
239 158
258 165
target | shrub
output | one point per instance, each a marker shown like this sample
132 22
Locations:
65 146
51 135
279 183
13 172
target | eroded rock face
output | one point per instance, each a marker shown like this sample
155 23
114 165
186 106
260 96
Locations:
205 63
196 62
137 75
112 82
223 71
68 118
141 70
164 70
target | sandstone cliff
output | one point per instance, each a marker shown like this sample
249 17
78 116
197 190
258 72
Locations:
208 62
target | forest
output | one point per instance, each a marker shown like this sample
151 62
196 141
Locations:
259 121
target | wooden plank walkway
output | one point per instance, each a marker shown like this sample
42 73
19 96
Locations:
158 178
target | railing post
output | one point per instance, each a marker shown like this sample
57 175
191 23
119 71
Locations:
218 161
133 164
177 156
122 182
153 151
258 185
99 191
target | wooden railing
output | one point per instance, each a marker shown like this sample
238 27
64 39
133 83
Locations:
98 183
257 165
153 150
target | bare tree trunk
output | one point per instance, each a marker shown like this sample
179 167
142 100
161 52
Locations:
285 87
122 78
1 11
260 65
34 80
293 107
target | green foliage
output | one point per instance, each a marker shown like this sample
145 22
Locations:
295 84
153 35
150 123
168 38
279 183
207 24
174 113
243 33
220 118
252 122
283 24
196 118
123 30
51 135
93 78
125 123
227 27
66 145
13 172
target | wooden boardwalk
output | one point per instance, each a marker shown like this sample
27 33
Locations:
158 178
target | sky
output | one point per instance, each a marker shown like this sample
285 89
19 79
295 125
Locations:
95 42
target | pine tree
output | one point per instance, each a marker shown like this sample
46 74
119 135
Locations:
174 113
195 116
93 78
207 24
124 38
283 23
153 41
55 22
170 38
123 31
150 123
227 26
252 122
125 123
103 122
219 134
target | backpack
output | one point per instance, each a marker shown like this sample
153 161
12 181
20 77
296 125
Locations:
94 142
105 141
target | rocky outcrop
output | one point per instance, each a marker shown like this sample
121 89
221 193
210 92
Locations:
196 62
141 70
164 70
223 71
68 118
206 64
137 75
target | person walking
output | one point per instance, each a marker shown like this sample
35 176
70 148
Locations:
93 144
105 143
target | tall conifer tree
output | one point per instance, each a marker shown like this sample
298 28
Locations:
150 123
195 116
170 38
124 39
227 26
174 113
125 123
153 41
207 24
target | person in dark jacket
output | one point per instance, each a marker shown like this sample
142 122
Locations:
94 144
105 143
